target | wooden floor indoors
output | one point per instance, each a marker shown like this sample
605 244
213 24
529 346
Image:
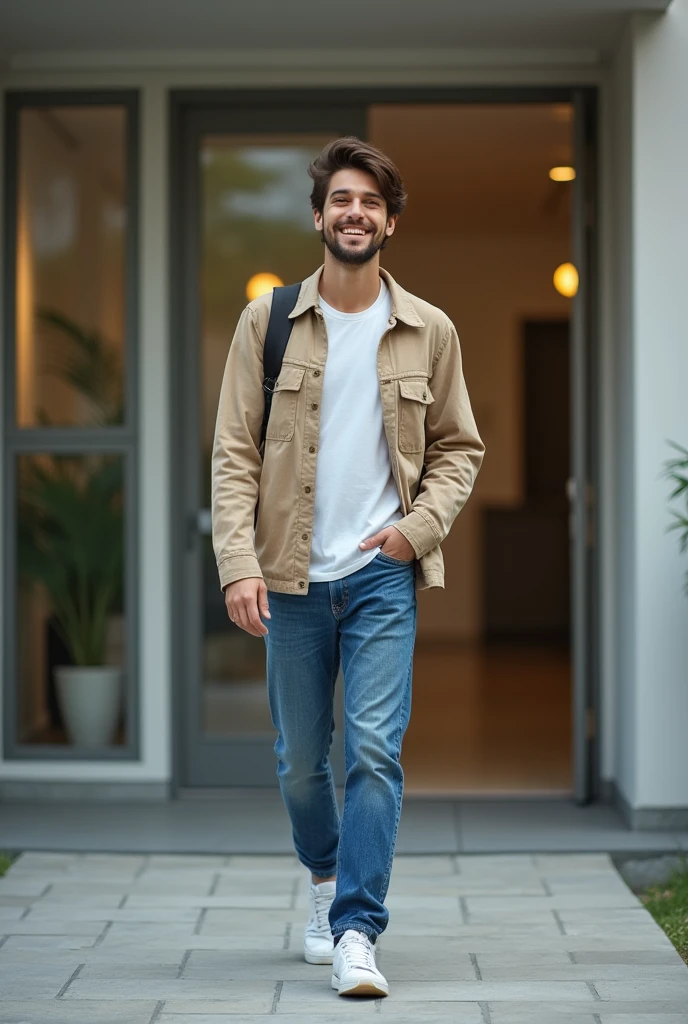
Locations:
489 720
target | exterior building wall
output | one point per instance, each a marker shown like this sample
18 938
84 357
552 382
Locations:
655 621
644 644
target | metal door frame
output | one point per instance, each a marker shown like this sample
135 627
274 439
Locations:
303 110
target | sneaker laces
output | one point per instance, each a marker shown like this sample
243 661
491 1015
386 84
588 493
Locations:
322 902
358 951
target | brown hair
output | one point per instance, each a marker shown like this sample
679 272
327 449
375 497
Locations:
352 152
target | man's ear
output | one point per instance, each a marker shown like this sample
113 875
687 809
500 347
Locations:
391 224
318 220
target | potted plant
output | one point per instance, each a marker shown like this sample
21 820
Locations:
71 542
676 470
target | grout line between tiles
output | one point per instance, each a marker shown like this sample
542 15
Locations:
123 901
458 829
185 960
560 923
485 1012
101 936
199 923
69 981
276 996
214 884
595 993
139 871
157 1011
476 968
463 906
287 936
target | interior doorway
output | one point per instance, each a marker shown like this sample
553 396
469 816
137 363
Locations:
494 704
486 228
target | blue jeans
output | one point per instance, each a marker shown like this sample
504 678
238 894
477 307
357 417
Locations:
372 614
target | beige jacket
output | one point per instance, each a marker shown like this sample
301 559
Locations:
427 418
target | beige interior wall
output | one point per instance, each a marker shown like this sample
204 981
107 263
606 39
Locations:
488 285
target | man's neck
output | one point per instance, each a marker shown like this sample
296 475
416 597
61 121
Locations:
350 289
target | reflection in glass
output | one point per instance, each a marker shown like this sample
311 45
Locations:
70 561
70 258
256 219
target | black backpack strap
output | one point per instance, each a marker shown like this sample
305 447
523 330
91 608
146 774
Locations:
276 338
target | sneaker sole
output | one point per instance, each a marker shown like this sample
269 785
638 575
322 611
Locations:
314 958
360 988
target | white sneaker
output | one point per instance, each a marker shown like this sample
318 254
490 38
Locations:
355 972
318 944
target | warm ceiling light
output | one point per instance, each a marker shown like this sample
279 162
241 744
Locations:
562 173
259 284
566 280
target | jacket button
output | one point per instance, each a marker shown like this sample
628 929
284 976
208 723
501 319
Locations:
301 583
316 373
304 536
311 449
307 490
314 405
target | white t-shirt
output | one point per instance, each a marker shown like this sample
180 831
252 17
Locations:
355 492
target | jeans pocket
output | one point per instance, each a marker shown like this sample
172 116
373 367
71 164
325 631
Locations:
394 561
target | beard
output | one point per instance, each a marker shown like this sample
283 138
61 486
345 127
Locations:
352 257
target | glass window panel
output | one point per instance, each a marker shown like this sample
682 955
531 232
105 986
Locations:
256 219
70 266
70 600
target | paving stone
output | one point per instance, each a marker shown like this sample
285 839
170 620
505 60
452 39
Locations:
503 1015
524 1012
285 965
642 1018
584 972
29 1011
627 956
248 922
445 991
661 988
216 901
238 969
238 996
153 914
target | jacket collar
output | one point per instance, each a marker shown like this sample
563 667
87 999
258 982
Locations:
402 303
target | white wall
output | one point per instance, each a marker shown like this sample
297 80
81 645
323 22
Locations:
655 623
648 378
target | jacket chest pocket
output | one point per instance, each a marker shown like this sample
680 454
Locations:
284 403
414 398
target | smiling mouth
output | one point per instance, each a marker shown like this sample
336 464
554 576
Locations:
353 232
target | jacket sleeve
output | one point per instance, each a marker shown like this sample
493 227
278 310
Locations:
236 460
453 452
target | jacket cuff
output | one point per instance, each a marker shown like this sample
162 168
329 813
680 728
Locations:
238 567
418 532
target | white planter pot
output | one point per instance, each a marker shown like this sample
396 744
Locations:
90 699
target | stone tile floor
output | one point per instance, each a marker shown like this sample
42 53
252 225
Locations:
195 939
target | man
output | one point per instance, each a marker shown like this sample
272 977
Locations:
371 451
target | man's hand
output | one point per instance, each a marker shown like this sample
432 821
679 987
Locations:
246 600
392 542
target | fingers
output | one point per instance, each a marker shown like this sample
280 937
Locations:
244 608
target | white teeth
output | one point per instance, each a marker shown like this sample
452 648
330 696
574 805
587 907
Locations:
352 231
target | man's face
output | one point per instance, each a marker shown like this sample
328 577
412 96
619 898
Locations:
354 222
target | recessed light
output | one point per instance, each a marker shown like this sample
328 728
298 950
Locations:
562 173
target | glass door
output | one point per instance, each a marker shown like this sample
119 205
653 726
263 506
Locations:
247 226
